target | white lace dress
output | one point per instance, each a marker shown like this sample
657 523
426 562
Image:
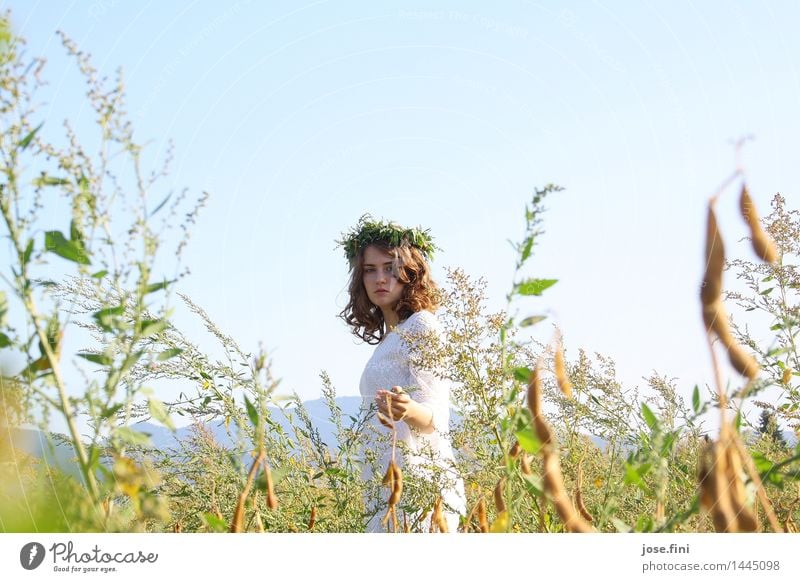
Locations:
426 454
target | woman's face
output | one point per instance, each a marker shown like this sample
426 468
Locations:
383 288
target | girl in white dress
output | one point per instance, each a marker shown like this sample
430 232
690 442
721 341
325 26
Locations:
392 304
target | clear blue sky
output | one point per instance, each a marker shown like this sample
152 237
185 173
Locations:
298 117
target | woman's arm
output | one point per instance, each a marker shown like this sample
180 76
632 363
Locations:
398 405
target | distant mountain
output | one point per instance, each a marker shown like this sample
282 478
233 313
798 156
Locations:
60 454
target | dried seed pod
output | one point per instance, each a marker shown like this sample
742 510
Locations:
483 521
745 520
272 499
499 502
714 491
397 484
743 362
715 261
437 518
552 478
716 320
787 376
312 520
561 373
525 465
763 245
515 450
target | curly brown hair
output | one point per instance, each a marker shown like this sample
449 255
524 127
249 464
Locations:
420 291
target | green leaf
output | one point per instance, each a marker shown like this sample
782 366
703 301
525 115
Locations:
528 440
101 359
132 437
153 326
55 242
767 291
649 417
111 411
534 286
167 354
100 274
522 374
696 399
106 317
214 523
252 414
158 286
26 141
130 361
159 412
26 256
527 247
532 320
5 341
45 180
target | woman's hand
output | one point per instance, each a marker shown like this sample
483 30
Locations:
396 405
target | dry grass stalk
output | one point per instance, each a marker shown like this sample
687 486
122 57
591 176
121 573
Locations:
552 477
761 493
237 523
763 245
579 496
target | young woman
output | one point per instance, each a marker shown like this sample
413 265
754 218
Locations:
392 304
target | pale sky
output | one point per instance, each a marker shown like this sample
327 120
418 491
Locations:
299 117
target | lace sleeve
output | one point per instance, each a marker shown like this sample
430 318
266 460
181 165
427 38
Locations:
428 388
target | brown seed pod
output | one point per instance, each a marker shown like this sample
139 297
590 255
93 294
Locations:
437 518
714 490
483 521
763 245
561 373
515 450
499 502
525 465
745 519
312 520
272 499
743 362
715 261
552 478
716 320
397 484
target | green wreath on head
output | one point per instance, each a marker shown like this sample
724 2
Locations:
369 230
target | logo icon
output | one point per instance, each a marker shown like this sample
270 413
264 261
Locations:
31 555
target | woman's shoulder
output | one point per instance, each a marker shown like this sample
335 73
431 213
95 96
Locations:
422 320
